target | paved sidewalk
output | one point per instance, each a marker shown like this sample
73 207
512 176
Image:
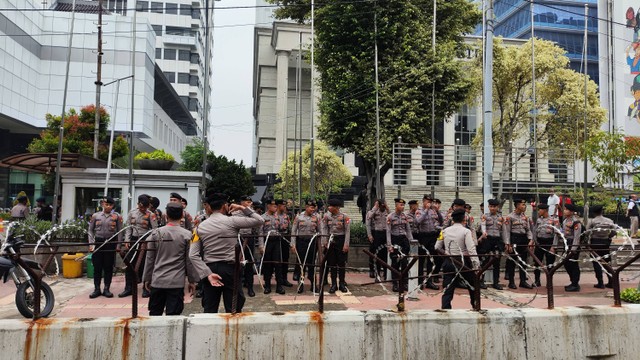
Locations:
72 297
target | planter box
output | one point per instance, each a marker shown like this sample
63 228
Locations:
147 164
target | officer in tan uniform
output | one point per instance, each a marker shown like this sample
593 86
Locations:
140 221
283 228
572 229
545 237
376 223
186 221
248 246
270 247
337 224
103 225
305 226
428 221
399 235
490 242
168 265
603 230
517 232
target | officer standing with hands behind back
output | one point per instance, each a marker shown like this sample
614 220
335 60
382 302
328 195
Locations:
337 224
399 235
102 227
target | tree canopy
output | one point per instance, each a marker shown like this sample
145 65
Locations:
408 68
227 176
331 174
78 134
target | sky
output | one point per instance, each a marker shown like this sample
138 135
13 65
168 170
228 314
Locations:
232 83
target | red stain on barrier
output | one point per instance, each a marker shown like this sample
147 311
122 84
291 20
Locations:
317 318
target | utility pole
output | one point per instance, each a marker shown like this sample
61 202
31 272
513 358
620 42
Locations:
487 104
586 82
133 98
96 134
379 191
205 111
433 105
312 160
534 110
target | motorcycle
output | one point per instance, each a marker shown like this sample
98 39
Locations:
13 265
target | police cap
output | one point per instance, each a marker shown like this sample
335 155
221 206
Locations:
109 200
399 200
543 206
413 202
459 202
174 195
335 202
494 202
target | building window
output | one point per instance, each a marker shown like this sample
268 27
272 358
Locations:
195 13
193 104
183 78
171 76
158 53
195 58
171 8
194 80
182 31
184 55
169 54
142 6
185 9
156 7
157 29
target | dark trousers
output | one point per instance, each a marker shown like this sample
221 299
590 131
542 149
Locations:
450 269
337 259
136 254
492 246
169 301
521 242
379 248
305 248
272 252
285 250
427 241
601 248
543 254
573 268
397 262
211 294
248 268
103 261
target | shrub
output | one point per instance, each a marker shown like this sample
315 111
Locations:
358 233
630 295
156 155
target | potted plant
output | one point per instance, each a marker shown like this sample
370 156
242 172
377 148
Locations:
156 160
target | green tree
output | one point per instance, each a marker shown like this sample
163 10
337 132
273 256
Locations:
78 135
408 68
331 174
559 107
227 176
608 154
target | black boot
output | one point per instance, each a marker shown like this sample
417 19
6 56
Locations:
372 274
333 288
343 288
512 285
250 292
126 292
279 289
145 293
267 289
300 288
395 286
95 293
526 285
107 293
497 286
572 288
432 286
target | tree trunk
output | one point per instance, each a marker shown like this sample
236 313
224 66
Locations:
370 170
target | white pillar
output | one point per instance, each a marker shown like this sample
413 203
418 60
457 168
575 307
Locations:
282 90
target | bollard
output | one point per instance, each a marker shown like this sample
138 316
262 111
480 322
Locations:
236 280
413 272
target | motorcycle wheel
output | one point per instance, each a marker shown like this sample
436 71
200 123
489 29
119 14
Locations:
25 300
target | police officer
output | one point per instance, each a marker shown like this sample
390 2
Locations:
376 223
517 232
468 219
248 246
168 264
572 229
140 221
187 220
214 251
457 240
545 237
399 235
305 226
103 225
154 204
602 232
270 247
283 228
427 221
490 242
337 224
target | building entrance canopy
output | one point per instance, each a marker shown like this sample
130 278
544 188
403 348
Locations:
46 162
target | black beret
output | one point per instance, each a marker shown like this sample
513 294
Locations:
41 199
399 200
481 204
571 207
311 203
175 196
413 202
174 205
335 202
143 199
543 206
270 201
381 201
280 202
155 202
109 200
458 215
459 202
245 198
437 201
596 209
519 201
427 197
494 202
22 198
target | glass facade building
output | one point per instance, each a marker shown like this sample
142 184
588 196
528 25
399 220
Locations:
561 21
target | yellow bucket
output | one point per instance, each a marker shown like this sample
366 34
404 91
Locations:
70 267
